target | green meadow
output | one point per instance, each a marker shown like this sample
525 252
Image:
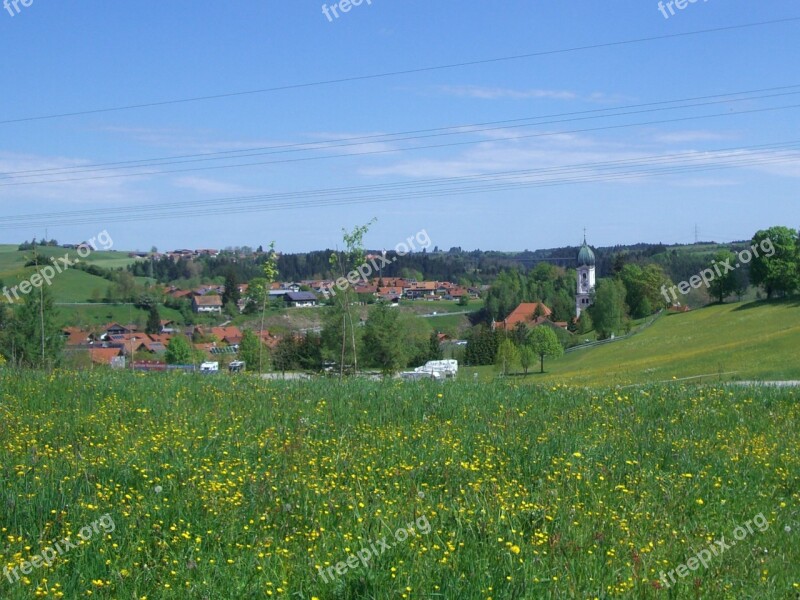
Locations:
235 487
736 341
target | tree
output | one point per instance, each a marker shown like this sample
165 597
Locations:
463 300
124 287
35 339
434 347
520 333
270 275
482 345
507 356
153 320
286 356
353 256
310 352
250 350
543 342
257 295
231 293
608 309
774 265
179 351
726 284
643 288
383 339
526 357
585 324
420 343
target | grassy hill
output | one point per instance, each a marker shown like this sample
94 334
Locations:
72 285
757 340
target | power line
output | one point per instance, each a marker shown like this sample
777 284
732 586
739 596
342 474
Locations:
393 137
395 150
572 174
401 72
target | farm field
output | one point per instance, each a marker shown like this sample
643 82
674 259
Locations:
222 487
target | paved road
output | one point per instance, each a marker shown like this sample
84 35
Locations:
769 383
446 314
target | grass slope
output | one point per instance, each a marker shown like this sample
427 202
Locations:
757 341
70 286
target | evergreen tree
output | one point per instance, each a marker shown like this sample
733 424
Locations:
520 334
153 320
310 352
434 347
286 356
231 293
482 344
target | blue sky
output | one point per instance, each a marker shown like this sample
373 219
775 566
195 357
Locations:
75 57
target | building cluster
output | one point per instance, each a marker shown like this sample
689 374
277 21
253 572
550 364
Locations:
177 254
309 293
114 344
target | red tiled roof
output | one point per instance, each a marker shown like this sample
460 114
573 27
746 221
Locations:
76 336
524 314
230 335
103 356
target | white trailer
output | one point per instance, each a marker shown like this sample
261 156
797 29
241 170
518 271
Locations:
443 368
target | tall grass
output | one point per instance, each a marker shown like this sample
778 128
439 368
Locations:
233 487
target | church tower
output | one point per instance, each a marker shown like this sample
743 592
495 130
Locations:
586 278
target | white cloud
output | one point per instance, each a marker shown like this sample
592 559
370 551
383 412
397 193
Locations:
498 93
685 137
18 172
212 186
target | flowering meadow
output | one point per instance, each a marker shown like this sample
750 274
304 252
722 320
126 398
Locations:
232 487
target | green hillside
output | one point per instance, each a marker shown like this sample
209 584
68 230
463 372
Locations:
755 340
72 285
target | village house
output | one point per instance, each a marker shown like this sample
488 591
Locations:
207 304
530 314
300 299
